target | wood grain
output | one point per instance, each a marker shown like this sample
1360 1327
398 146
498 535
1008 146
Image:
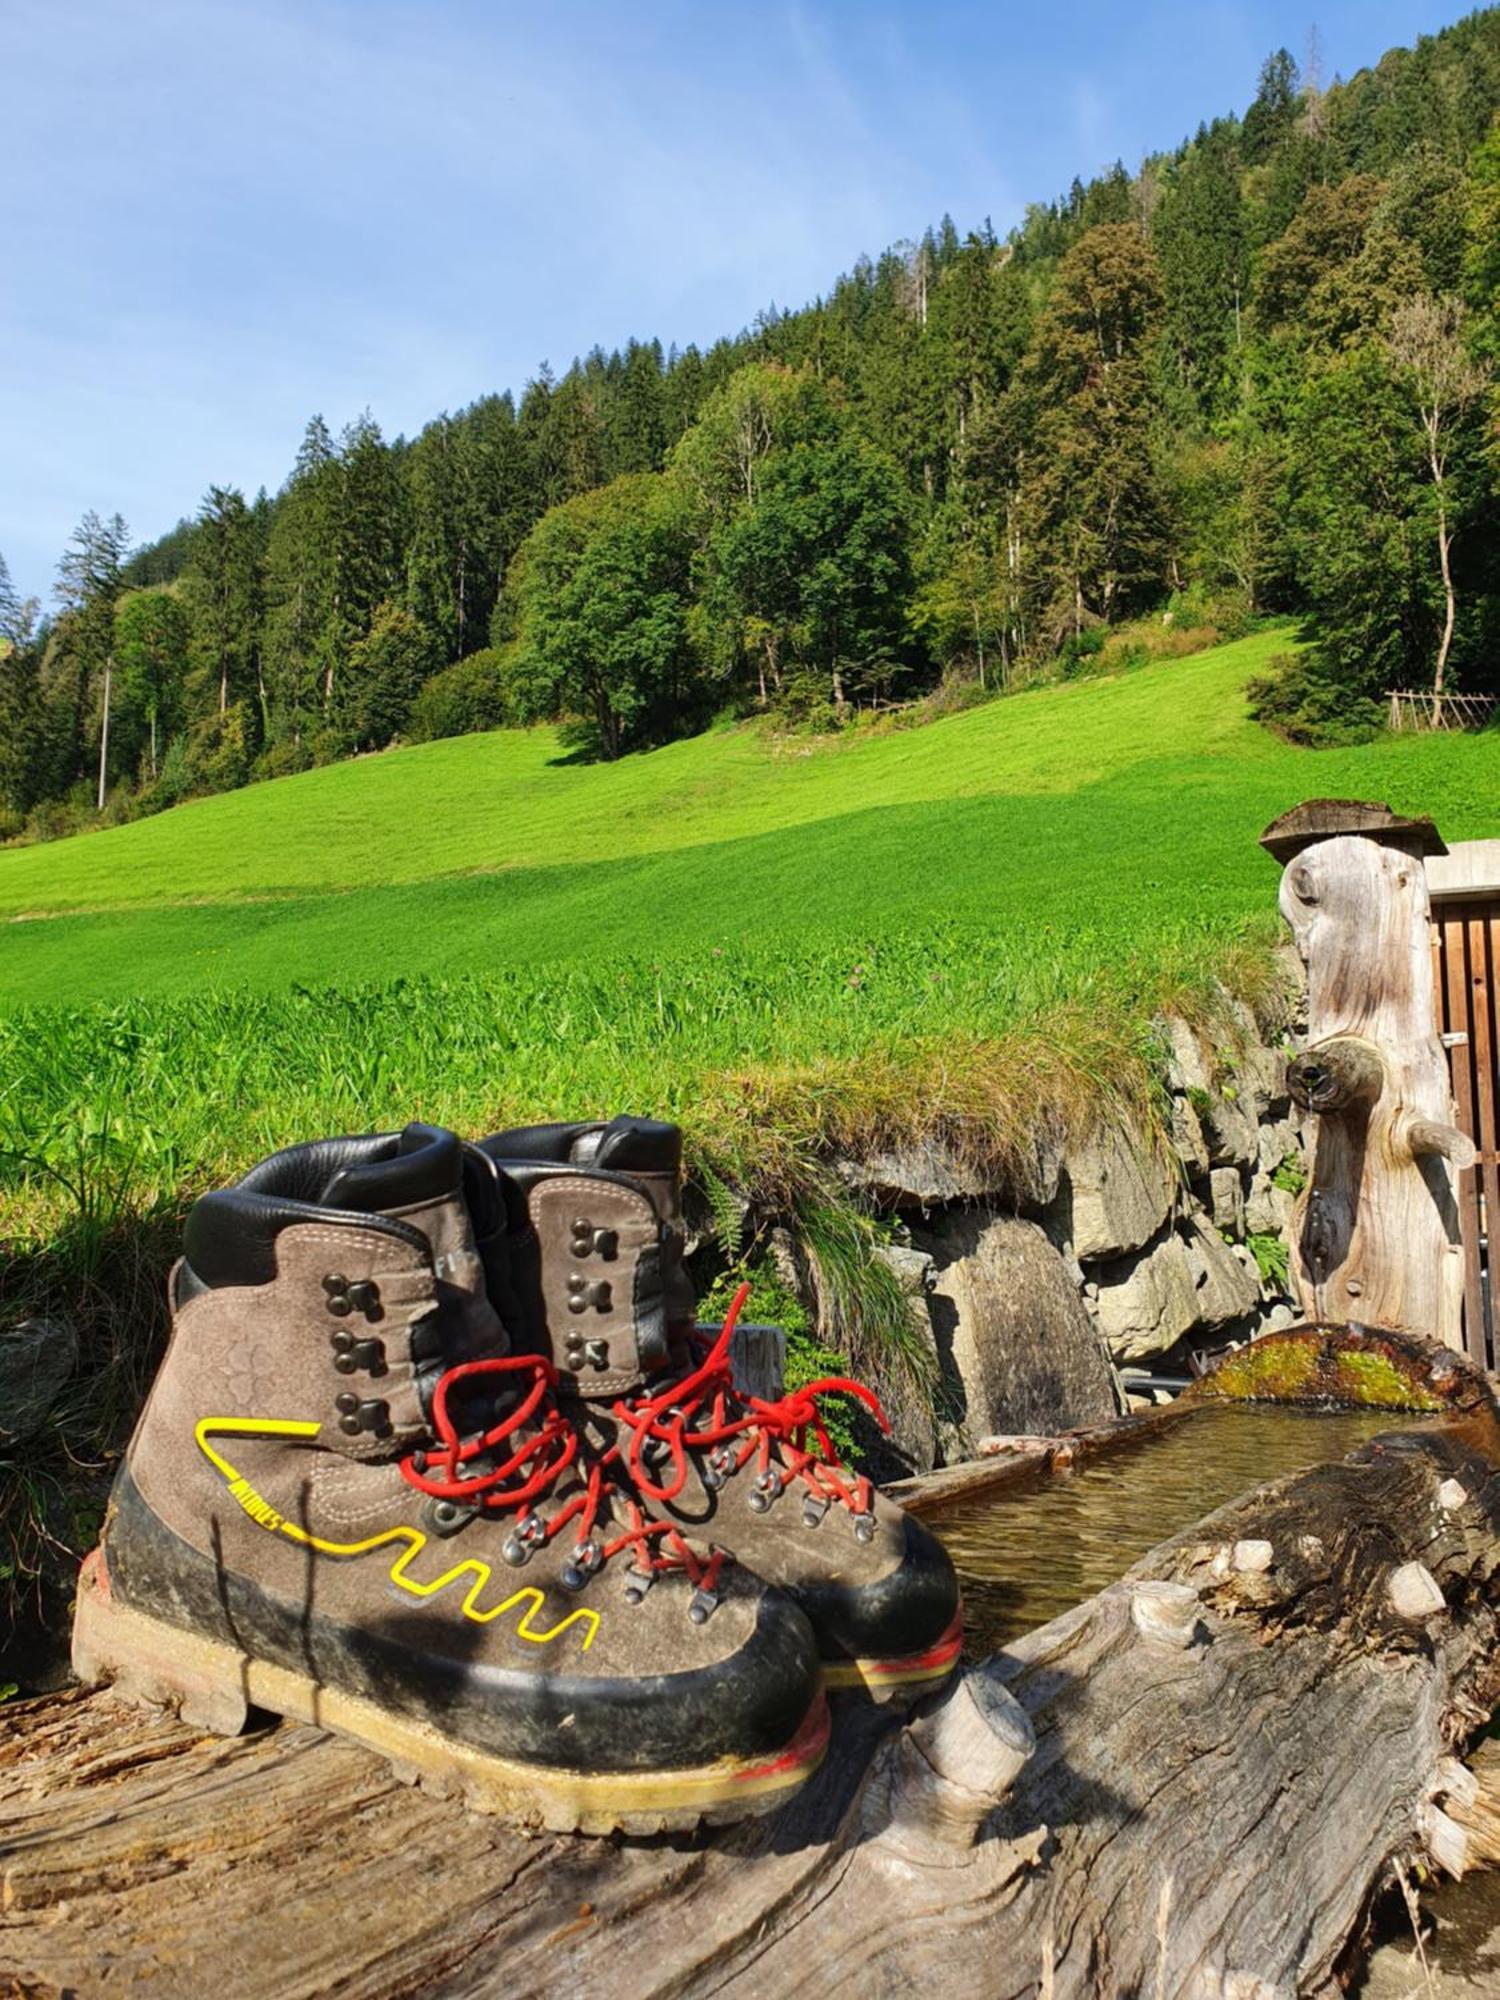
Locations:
1209 1803
1376 1234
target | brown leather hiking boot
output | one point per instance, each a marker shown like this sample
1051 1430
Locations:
608 1299
347 1502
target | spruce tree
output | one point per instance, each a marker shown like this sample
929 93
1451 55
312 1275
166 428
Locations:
1091 487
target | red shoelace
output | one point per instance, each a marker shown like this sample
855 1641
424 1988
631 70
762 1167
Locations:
543 1446
703 1411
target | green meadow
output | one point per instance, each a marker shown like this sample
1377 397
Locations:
768 938
1067 825
959 930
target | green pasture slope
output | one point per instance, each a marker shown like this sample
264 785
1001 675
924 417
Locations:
1137 798
474 929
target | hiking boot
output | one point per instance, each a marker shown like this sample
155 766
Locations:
606 1296
346 1501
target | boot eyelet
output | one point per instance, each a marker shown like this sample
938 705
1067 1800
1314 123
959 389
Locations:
813 1511
768 1487
718 1468
521 1544
587 1557
350 1354
705 1603
356 1415
637 1583
864 1527
446 1517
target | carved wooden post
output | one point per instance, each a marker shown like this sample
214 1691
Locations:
1375 1236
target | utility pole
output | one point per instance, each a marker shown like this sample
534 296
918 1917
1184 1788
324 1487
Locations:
104 730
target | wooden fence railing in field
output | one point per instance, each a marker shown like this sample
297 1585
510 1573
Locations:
1413 709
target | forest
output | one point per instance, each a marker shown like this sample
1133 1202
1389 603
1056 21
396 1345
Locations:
1256 376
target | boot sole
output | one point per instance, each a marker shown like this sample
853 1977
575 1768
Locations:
909 1674
215 1686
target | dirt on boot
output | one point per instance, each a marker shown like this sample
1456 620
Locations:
348 1503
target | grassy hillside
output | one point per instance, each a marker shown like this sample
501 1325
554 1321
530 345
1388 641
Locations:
1124 809
964 926
963 929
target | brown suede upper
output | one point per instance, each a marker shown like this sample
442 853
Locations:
873 1580
259 1453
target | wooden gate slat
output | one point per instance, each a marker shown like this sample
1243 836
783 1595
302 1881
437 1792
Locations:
1481 1020
1450 940
1487 1083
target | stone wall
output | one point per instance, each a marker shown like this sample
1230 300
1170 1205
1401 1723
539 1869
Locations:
1123 1250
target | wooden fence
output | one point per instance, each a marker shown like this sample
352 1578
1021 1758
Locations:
1412 709
1466 960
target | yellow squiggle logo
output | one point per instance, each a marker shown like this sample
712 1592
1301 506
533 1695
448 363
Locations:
266 1516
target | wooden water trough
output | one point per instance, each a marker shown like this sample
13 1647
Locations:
1192 1785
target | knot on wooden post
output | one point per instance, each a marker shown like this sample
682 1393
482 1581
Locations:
943 1776
1333 1075
1426 1136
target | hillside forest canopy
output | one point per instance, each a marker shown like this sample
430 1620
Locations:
1258 376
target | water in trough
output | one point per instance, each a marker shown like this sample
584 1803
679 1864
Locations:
1027 1553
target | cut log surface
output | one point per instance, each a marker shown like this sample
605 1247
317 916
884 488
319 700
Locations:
1187 1787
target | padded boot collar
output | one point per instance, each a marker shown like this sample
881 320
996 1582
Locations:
230 1238
625 1145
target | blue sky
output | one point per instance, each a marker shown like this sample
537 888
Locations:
221 215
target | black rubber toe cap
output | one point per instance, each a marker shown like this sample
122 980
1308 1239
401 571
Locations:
905 1611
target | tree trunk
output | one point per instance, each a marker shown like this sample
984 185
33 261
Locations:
104 734
1450 613
1188 1787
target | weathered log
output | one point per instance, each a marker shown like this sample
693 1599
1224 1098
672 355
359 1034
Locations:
1375 1236
1226 1759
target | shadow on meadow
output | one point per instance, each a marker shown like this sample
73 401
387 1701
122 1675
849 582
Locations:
97 1287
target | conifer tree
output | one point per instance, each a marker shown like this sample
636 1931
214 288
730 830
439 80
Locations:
223 591
1091 487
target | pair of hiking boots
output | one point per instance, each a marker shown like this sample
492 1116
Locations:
438 1457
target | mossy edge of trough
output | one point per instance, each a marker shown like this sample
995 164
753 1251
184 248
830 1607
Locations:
1345 1367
